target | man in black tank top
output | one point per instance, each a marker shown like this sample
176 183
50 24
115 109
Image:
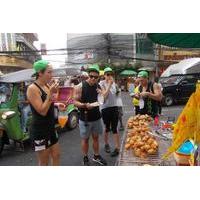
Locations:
42 130
90 123
150 93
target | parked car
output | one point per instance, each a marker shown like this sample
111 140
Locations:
178 87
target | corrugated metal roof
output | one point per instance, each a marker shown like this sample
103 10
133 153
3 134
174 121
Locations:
25 75
19 76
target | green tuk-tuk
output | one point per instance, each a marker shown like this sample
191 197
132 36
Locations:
15 113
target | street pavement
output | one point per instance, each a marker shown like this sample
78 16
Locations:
70 143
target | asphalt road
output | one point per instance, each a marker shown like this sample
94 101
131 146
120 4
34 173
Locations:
70 143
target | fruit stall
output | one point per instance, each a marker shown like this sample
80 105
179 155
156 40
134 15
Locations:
145 143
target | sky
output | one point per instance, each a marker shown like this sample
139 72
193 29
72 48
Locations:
53 41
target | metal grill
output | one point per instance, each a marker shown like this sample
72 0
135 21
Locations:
127 158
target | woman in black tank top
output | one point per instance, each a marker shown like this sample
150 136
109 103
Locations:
45 139
42 127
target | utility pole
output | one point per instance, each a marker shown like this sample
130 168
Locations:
108 38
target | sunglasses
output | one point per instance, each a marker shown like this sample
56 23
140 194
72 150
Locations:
95 77
109 74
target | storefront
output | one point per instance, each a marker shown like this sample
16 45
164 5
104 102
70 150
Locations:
12 64
174 56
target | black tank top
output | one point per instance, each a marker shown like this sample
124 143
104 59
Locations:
150 105
42 126
89 95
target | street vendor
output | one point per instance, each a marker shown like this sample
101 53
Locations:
149 95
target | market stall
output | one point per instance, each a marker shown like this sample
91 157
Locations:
187 128
145 143
186 138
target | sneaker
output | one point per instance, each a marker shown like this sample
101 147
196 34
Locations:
86 161
107 148
98 159
115 153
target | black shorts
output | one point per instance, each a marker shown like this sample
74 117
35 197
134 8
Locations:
137 110
110 118
45 143
120 111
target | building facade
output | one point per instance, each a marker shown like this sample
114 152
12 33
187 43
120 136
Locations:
25 51
145 50
174 55
116 49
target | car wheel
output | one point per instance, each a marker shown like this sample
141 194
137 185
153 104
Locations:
73 120
169 100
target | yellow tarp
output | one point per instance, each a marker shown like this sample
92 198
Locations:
188 123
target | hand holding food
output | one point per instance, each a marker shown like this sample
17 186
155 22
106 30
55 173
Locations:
53 87
144 94
89 106
61 106
137 95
